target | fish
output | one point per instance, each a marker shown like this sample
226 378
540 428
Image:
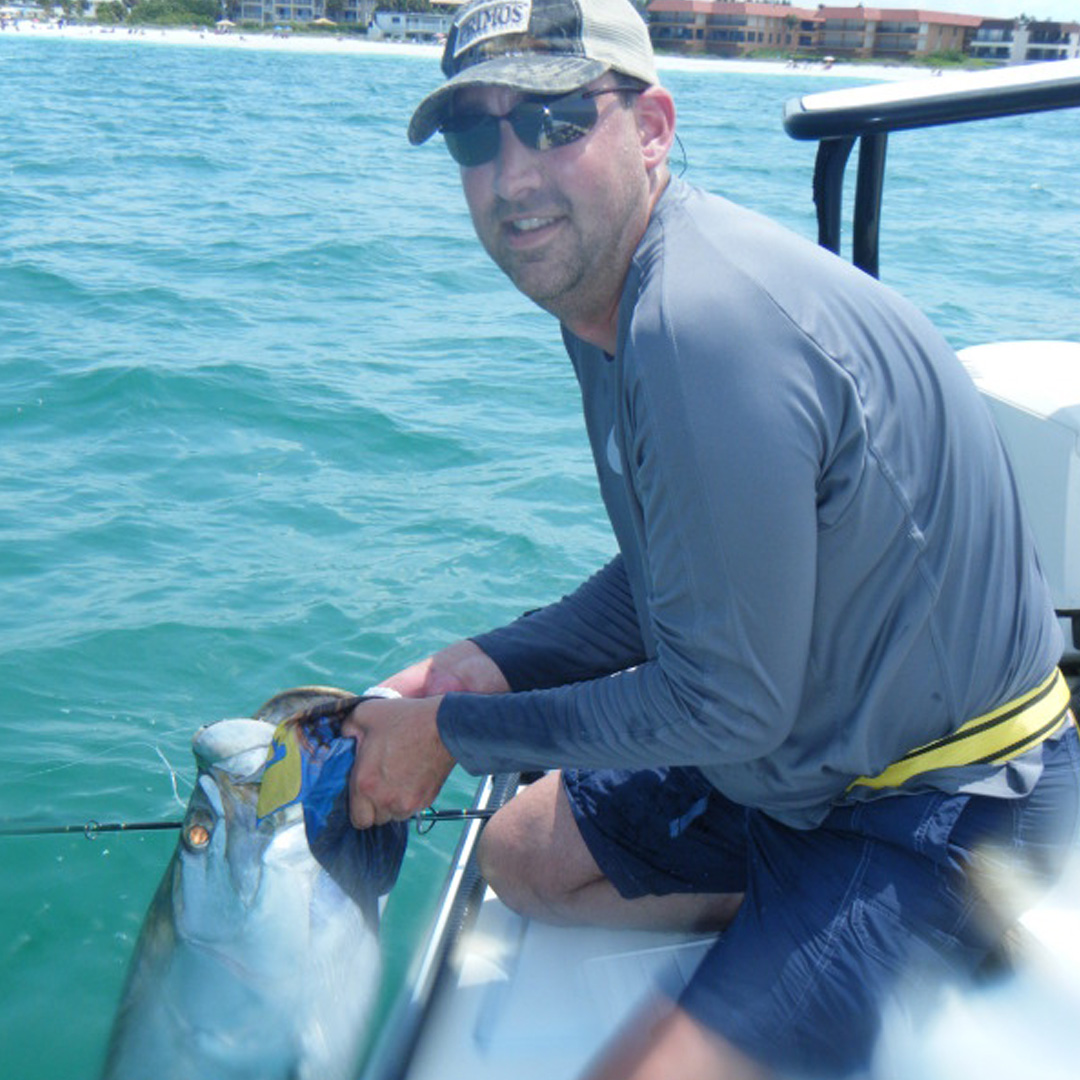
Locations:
258 958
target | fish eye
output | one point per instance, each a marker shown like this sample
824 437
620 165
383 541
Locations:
197 834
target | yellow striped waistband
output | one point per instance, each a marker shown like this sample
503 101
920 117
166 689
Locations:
990 739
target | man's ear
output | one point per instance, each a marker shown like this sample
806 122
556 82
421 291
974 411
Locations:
655 111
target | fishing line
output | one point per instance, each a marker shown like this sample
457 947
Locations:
85 758
172 776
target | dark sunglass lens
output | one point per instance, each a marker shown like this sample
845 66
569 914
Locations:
472 139
566 120
547 123
569 119
527 119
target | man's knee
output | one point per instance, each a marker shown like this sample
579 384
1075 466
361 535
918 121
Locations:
531 852
502 863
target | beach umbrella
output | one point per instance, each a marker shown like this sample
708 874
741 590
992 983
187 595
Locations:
224 22
324 22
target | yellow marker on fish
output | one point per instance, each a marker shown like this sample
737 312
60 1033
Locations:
309 760
283 778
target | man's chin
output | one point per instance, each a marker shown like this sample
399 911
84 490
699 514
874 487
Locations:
543 285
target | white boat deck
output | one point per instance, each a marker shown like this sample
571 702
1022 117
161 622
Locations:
529 1001
534 1002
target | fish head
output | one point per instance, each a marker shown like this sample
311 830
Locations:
226 858
237 860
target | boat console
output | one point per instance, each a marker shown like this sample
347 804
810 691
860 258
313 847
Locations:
1033 390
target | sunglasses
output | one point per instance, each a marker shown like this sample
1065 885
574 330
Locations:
540 123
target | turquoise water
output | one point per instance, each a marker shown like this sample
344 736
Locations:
269 417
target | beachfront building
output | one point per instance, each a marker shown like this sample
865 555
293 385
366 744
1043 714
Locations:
897 34
724 28
18 11
994 40
433 25
1041 40
720 28
283 12
1022 41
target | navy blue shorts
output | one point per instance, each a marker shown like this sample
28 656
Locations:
836 919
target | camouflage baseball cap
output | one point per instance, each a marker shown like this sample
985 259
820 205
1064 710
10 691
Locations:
536 47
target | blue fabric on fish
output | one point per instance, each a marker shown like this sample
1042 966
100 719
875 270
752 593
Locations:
310 766
309 762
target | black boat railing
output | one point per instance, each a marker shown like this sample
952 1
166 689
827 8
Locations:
867 114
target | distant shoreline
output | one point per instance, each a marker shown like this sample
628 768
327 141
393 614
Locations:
349 45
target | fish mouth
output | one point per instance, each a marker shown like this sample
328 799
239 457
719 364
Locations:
236 748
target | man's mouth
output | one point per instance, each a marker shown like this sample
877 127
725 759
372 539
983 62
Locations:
531 224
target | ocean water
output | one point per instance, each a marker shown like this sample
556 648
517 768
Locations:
268 417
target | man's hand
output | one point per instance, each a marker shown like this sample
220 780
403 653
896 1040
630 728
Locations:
401 763
462 666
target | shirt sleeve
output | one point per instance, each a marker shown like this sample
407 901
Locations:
592 632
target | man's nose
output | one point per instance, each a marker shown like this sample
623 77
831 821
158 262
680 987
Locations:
516 165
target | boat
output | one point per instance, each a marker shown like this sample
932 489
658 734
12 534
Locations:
492 994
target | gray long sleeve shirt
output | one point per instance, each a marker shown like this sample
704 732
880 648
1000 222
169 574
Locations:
823 562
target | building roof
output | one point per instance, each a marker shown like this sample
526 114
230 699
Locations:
733 7
919 15
820 13
1063 23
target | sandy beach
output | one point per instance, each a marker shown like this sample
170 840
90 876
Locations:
331 44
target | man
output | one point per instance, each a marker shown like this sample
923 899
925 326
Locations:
823 576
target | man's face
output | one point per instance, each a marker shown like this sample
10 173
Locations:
561 223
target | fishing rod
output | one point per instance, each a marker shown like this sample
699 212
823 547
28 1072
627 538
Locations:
431 814
90 829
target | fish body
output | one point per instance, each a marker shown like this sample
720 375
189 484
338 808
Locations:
259 956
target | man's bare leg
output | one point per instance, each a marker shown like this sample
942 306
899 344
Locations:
535 859
668 1043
